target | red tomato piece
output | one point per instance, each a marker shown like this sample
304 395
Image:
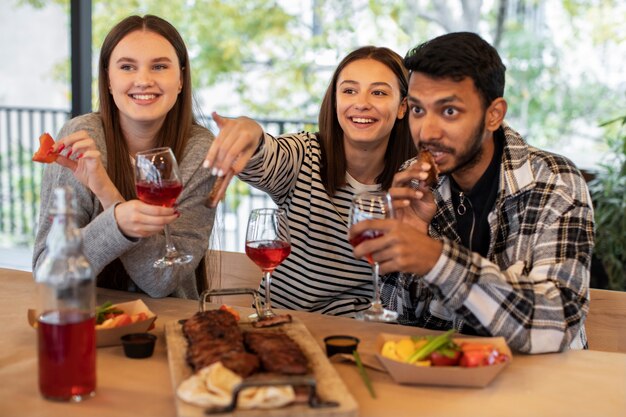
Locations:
476 354
43 154
122 320
230 310
139 317
472 358
465 346
440 359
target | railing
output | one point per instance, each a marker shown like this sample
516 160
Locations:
20 179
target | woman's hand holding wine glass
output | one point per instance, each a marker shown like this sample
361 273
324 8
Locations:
366 206
158 183
268 245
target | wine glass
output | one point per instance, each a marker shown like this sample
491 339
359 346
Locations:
364 206
158 182
267 244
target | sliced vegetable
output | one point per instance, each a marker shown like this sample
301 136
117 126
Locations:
363 372
106 311
432 345
230 310
44 154
445 357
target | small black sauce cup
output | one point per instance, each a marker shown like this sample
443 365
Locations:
340 344
138 345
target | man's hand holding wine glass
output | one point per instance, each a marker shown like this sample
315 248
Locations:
395 249
413 207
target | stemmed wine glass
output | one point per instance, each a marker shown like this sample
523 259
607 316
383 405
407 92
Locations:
267 244
364 206
158 182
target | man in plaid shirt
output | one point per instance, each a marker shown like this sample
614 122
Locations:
502 245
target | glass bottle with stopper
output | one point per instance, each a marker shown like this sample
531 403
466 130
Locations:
66 321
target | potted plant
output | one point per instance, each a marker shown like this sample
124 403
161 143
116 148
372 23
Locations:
608 192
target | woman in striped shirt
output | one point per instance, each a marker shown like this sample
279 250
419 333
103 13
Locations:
363 139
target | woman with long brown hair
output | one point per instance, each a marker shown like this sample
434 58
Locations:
362 141
145 102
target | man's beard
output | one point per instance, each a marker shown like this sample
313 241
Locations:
469 158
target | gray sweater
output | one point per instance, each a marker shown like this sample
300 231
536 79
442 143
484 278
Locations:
103 241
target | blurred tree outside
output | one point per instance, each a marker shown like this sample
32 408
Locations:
273 58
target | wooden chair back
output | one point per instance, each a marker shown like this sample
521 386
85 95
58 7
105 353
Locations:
606 322
232 270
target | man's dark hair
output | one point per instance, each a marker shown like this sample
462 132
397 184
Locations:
459 55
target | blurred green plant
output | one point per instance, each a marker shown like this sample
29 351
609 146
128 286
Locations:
236 191
608 192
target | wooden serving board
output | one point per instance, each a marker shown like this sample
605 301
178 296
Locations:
330 387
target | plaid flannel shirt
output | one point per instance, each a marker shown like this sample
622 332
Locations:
533 286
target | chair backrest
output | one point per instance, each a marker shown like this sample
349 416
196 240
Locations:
232 270
606 322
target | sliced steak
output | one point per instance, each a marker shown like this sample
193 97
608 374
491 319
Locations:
277 352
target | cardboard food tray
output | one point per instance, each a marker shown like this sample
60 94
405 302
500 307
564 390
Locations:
330 386
111 337
450 376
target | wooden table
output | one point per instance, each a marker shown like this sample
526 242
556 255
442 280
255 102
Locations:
575 383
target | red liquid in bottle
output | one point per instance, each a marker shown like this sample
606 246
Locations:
67 355
164 194
366 235
268 254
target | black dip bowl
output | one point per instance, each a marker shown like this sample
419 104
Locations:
138 345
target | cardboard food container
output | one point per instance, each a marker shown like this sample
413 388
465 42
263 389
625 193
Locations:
450 376
111 337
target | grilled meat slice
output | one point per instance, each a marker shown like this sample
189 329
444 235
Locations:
215 324
277 352
215 336
272 321
203 353
243 364
433 173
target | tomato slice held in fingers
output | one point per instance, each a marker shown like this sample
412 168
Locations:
44 154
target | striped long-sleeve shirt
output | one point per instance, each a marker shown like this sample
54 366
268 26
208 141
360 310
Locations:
321 274
533 286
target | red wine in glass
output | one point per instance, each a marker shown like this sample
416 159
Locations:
158 182
67 356
267 244
366 235
268 254
365 206
163 194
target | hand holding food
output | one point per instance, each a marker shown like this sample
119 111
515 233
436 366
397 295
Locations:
425 156
44 154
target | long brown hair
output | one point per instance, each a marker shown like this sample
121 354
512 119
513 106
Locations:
400 147
173 133
178 121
